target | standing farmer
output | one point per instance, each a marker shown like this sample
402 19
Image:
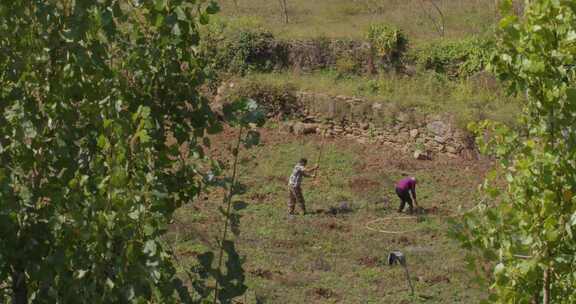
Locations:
294 185
406 190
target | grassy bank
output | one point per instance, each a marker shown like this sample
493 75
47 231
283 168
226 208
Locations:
426 93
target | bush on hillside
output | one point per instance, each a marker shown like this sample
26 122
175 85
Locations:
255 50
243 50
240 49
387 42
347 64
457 58
278 100
311 54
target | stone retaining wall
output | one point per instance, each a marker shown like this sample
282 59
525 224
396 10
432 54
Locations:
366 122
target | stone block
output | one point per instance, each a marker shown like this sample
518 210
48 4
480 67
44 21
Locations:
438 128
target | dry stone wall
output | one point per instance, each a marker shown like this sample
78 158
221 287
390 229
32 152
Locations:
426 136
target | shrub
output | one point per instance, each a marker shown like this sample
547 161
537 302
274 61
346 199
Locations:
462 57
243 50
254 50
388 42
346 65
275 99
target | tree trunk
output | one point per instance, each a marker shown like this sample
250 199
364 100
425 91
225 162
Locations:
371 69
441 25
546 299
19 288
496 12
536 296
443 22
284 7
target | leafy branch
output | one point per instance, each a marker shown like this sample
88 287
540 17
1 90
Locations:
529 234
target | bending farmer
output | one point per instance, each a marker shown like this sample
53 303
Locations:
406 190
294 185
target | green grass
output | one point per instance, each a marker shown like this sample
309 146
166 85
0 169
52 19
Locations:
322 258
466 100
350 19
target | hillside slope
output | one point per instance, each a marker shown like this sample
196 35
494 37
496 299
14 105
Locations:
350 19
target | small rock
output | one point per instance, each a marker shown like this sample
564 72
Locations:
402 117
420 155
287 127
377 106
451 149
364 126
437 128
311 129
304 128
310 119
439 139
414 133
404 135
345 206
298 128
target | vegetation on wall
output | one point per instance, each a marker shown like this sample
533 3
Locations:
245 49
277 99
462 57
387 42
241 49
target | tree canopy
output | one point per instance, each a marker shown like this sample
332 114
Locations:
529 232
100 123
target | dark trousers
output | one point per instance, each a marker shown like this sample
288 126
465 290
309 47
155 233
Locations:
296 197
405 197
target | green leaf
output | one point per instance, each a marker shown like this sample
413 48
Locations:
181 15
204 18
252 139
109 283
102 142
160 5
212 8
176 30
571 95
81 273
150 248
159 22
500 268
527 266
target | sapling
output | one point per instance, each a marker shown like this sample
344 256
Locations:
242 114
